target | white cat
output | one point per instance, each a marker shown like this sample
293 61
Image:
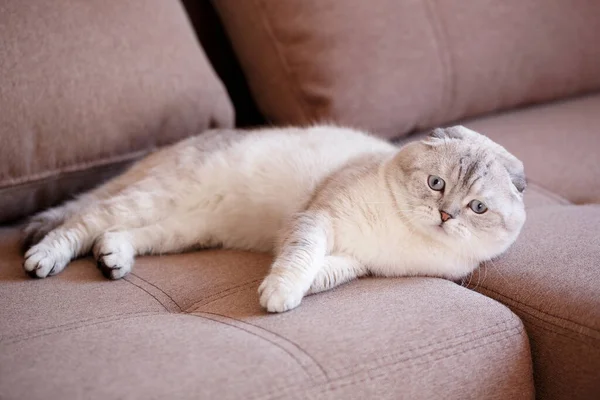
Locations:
331 203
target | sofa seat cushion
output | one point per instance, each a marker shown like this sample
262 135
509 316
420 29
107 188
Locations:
87 87
397 66
551 279
558 144
189 326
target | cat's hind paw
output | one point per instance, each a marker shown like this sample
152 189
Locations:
114 254
37 228
44 260
277 295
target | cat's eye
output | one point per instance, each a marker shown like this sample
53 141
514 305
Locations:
436 183
477 206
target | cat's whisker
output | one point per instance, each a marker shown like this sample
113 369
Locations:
484 275
484 264
406 212
410 219
479 279
470 274
497 270
479 276
470 258
470 279
400 195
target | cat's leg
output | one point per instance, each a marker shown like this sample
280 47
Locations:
301 255
132 208
336 270
115 251
40 224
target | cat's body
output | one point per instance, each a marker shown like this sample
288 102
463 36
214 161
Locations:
330 202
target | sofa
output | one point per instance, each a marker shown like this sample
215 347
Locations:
87 88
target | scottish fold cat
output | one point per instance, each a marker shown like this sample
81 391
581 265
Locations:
331 203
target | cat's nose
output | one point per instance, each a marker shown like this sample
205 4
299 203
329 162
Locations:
445 216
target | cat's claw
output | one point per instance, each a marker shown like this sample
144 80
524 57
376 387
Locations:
114 255
277 295
43 260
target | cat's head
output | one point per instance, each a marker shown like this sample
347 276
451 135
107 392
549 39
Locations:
462 188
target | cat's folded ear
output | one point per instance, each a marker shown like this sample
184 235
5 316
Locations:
513 165
454 132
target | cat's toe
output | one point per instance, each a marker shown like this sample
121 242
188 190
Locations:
113 271
42 260
278 296
114 255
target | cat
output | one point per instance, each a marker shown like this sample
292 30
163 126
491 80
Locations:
331 203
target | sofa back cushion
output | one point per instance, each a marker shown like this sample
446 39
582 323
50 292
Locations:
219 52
397 66
88 86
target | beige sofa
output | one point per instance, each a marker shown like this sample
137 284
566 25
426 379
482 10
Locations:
88 87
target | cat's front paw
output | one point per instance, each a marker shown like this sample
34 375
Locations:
278 295
44 260
114 254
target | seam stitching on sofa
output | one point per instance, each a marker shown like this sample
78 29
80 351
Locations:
518 332
73 168
540 326
275 334
544 313
227 292
430 344
282 60
517 325
462 335
517 329
234 319
6 338
321 369
159 289
150 294
35 336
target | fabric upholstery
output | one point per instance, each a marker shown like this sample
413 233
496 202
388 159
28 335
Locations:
86 87
395 67
551 279
536 196
189 326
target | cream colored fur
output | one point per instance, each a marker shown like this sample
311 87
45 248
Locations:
331 203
